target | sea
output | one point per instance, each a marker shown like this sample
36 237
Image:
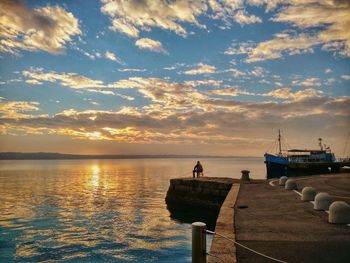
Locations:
99 210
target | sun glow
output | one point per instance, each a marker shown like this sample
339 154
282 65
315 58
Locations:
94 135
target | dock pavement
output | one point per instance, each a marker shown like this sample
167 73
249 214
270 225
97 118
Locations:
275 222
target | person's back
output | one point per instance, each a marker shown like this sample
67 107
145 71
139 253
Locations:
198 169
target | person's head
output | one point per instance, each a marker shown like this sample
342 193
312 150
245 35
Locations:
198 162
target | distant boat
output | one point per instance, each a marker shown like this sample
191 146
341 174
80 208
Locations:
294 162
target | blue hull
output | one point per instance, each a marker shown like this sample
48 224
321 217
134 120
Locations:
276 166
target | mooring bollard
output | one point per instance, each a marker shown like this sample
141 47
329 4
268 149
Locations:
308 193
199 243
282 181
322 201
291 185
245 175
339 213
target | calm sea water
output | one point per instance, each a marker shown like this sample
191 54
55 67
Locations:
98 210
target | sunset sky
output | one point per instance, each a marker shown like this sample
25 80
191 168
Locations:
173 77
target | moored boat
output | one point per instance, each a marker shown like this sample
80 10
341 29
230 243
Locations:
295 162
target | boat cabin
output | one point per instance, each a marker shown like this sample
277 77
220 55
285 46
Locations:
307 156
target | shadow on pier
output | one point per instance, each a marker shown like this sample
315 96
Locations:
190 214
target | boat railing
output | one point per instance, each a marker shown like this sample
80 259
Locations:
305 160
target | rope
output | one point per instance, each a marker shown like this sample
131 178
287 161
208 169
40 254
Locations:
252 250
271 147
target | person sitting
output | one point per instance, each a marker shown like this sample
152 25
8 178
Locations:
198 169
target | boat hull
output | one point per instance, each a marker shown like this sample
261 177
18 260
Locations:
276 170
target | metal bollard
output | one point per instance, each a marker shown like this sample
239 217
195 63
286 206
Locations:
199 243
245 175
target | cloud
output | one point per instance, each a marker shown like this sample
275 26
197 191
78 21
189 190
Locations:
33 82
131 70
346 77
333 17
178 113
229 91
129 17
235 72
242 18
113 57
258 72
309 82
328 20
16 109
279 84
240 48
134 16
150 44
328 70
286 93
109 92
104 92
201 69
270 4
175 66
284 43
123 26
231 11
208 82
85 53
172 95
47 28
230 122
72 80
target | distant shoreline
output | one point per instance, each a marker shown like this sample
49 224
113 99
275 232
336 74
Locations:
62 156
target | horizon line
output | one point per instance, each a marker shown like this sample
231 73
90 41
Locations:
56 155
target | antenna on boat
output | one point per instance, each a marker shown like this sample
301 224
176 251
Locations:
320 143
279 141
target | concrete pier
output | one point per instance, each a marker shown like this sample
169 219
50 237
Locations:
202 192
269 219
224 250
277 223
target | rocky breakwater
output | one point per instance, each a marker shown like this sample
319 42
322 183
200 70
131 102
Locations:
202 192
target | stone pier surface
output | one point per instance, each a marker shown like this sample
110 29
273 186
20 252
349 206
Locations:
275 221
222 249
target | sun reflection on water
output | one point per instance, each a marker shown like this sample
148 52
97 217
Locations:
95 171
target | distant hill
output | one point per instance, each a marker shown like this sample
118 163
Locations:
55 156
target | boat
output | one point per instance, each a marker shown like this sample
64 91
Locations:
301 162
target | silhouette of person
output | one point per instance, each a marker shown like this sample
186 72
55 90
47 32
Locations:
198 169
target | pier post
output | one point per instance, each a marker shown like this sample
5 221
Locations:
199 243
245 175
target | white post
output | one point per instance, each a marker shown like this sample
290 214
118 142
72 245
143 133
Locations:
199 243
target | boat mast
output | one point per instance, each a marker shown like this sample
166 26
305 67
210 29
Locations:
320 143
279 141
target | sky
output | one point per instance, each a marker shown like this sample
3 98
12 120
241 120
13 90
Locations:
174 77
